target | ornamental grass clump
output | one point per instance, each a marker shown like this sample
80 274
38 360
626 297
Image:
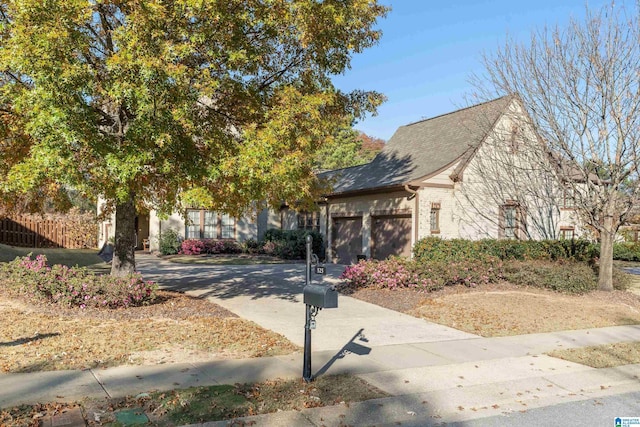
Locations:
77 287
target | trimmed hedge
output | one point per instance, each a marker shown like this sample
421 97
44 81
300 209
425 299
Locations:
437 249
291 244
562 276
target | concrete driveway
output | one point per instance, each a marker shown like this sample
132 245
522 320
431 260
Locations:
271 296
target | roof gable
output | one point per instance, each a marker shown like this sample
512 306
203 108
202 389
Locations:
422 148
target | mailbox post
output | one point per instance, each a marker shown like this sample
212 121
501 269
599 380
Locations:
306 363
315 297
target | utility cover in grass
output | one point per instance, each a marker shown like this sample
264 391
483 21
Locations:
131 417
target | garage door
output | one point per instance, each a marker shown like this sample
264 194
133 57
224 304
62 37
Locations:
391 235
346 236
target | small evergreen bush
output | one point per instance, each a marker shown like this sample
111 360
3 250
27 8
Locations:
291 244
626 251
169 242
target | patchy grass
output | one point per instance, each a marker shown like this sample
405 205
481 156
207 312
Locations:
178 328
602 356
525 311
69 257
634 283
212 403
226 259
503 309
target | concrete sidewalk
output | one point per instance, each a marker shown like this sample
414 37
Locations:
449 381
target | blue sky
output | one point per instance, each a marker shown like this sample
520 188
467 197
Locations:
430 48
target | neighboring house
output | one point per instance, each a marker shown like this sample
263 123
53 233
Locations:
458 175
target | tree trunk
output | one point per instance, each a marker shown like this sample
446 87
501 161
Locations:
124 262
605 274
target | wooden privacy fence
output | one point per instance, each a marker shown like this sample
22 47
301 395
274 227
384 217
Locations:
59 231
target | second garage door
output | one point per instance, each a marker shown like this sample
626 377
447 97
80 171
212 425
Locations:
391 235
346 239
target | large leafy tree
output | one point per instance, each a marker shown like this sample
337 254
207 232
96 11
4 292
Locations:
579 86
159 104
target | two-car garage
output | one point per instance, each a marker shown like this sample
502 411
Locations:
390 234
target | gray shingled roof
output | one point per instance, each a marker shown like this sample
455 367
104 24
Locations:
419 149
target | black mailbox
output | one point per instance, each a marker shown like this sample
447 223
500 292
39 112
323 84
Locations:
320 296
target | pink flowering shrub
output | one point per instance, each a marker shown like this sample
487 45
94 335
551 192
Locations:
77 287
390 274
192 247
213 246
403 273
209 246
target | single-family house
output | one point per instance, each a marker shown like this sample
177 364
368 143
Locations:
467 174
472 173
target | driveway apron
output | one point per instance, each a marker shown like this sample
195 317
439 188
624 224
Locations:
271 296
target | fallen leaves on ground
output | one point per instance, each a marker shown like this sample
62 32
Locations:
37 336
504 309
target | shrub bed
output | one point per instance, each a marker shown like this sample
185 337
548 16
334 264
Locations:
402 273
562 276
77 287
209 246
627 251
436 249
291 244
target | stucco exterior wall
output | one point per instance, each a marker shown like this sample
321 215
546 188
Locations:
289 219
157 226
246 227
510 168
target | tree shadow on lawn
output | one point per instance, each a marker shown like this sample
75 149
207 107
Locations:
21 341
283 281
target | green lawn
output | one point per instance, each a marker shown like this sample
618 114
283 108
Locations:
70 257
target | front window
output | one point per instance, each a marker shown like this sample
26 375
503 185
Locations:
309 221
434 218
510 222
228 225
569 200
210 227
193 224
203 224
567 233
